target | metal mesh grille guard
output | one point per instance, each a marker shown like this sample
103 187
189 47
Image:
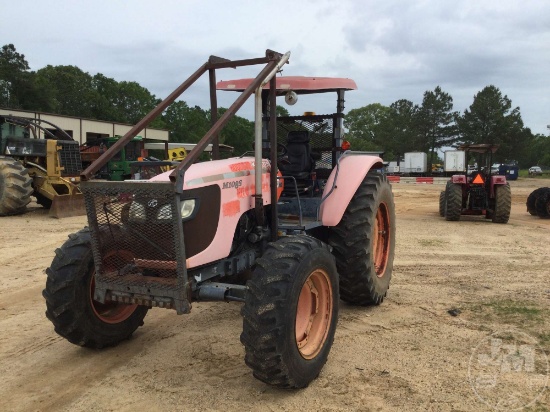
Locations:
137 243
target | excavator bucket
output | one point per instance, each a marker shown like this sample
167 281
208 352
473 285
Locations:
67 206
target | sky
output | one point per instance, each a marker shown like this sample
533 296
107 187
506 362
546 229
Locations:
392 49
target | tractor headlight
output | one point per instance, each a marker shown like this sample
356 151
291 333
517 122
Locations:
137 212
187 208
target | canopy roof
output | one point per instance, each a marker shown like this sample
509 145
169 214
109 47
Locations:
298 84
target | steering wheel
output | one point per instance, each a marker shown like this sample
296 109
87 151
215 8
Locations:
281 150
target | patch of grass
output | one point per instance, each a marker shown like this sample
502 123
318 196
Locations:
525 316
432 242
537 407
525 173
544 339
513 309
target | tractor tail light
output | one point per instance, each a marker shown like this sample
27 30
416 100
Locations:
346 145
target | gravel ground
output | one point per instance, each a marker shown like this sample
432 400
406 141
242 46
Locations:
465 327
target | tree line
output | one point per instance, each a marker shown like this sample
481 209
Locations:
67 90
407 127
396 129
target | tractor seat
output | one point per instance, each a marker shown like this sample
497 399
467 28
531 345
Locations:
298 161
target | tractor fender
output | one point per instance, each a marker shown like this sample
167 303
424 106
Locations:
496 180
458 179
351 172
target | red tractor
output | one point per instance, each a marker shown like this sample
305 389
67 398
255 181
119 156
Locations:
288 231
478 192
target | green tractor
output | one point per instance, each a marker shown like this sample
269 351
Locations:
119 168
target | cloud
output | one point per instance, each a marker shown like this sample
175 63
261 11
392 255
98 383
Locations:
392 49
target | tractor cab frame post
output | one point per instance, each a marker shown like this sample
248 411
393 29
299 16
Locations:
273 156
258 137
338 138
214 112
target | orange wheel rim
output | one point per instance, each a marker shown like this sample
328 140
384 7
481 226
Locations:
111 312
313 314
381 240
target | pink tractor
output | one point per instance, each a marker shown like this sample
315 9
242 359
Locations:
287 231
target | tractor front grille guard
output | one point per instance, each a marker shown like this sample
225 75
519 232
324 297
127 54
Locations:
137 243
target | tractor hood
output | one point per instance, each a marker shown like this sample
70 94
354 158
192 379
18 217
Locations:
204 173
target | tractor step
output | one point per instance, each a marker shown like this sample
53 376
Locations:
291 223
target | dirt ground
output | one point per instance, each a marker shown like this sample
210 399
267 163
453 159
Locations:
409 353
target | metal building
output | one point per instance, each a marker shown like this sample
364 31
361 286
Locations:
84 130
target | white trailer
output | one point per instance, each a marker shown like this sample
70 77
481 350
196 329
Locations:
415 162
392 168
455 161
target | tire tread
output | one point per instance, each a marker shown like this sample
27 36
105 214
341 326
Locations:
65 310
15 187
265 313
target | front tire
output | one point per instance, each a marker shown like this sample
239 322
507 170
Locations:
70 306
364 243
290 312
503 203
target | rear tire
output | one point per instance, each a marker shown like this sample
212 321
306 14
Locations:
503 203
453 204
364 243
290 312
15 187
70 306
442 204
543 204
532 200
